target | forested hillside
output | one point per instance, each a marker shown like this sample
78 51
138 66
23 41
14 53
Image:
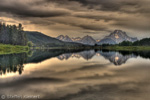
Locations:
39 39
12 34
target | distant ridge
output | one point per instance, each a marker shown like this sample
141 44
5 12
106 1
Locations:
115 37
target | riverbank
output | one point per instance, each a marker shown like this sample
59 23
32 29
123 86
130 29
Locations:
9 49
127 48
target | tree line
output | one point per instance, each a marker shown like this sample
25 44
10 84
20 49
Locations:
142 42
12 34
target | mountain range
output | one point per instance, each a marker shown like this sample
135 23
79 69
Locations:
115 37
40 39
86 40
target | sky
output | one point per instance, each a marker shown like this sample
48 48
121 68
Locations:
77 18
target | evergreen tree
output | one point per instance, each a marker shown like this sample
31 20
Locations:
12 34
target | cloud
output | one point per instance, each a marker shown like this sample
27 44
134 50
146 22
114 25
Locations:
107 5
97 17
82 17
25 10
81 23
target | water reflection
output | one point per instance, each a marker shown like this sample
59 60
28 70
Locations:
116 57
87 55
77 75
14 62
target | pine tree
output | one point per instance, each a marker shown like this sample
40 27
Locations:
12 34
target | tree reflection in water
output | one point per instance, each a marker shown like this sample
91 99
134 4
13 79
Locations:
12 63
15 62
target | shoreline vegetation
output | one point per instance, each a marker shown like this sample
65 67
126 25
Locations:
12 39
116 48
139 45
127 48
13 49
10 49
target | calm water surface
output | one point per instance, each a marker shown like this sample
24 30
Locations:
76 75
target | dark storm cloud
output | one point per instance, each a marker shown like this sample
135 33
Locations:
39 2
89 15
24 10
98 17
107 5
92 27
122 6
89 27
41 22
133 24
75 23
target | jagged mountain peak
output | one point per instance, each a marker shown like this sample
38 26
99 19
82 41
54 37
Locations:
64 38
118 34
116 37
88 40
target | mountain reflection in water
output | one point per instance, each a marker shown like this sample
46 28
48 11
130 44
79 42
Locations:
87 55
114 57
14 62
77 75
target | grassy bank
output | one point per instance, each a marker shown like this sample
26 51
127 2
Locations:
128 48
8 49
